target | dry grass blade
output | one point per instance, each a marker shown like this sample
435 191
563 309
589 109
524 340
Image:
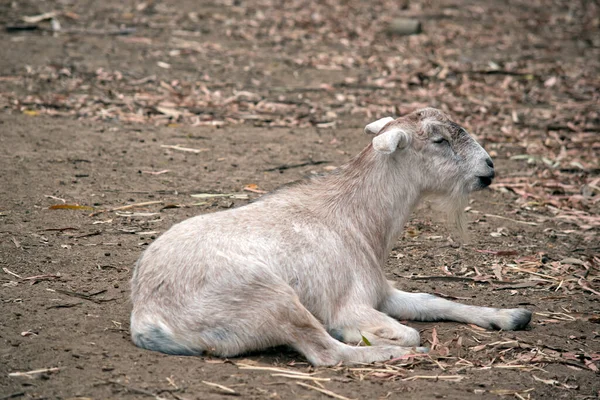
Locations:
310 378
511 366
34 19
144 204
509 392
11 273
370 370
129 206
551 382
164 171
324 391
272 369
184 149
238 196
559 316
512 220
221 387
436 362
533 273
508 343
450 378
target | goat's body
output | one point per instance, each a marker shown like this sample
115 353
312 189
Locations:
298 267
212 282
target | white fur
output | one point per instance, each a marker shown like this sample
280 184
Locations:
303 266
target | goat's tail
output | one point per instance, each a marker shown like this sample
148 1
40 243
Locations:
157 336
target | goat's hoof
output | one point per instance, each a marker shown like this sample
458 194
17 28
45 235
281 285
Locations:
412 337
513 319
520 319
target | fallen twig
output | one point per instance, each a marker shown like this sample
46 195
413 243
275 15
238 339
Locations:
68 228
520 285
68 305
458 279
69 207
222 387
100 32
34 278
585 287
136 390
44 277
290 166
32 374
96 233
20 28
499 72
83 295
12 395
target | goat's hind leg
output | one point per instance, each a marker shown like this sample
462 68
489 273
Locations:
427 307
271 315
308 336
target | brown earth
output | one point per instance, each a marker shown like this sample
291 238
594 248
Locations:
259 88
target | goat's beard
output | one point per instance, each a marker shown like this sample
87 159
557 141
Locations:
453 206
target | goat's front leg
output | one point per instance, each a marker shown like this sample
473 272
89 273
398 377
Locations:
427 307
354 323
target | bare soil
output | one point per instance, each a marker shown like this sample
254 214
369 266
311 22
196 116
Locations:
270 93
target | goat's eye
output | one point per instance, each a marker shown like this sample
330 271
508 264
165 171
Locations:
440 140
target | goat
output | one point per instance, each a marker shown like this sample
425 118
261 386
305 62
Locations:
302 266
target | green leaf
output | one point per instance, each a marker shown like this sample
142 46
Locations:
365 340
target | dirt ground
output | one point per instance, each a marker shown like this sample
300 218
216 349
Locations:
95 116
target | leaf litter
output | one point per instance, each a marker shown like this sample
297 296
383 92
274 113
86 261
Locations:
540 114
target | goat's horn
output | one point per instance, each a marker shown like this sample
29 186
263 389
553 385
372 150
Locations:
375 127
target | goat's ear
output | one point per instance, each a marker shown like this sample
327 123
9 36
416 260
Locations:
375 127
390 140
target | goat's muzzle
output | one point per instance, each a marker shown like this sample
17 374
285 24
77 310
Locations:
485 181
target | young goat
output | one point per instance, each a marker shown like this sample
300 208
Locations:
303 266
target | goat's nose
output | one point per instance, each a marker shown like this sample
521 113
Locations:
489 162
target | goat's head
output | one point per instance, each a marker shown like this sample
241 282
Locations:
449 163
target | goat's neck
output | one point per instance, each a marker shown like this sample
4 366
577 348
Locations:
371 198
